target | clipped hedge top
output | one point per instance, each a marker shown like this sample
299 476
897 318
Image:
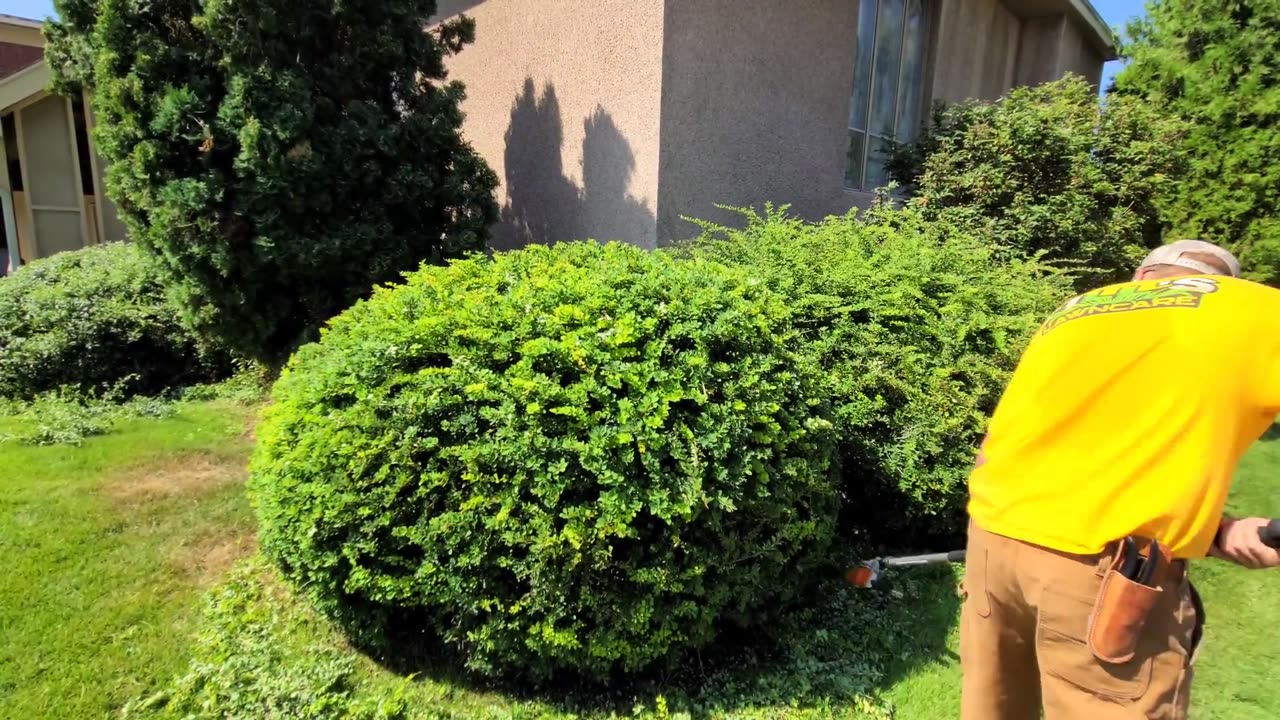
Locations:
584 457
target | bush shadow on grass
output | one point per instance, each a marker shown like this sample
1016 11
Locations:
840 652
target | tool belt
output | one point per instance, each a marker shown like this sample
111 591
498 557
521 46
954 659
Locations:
1133 583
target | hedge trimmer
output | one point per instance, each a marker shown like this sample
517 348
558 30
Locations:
866 574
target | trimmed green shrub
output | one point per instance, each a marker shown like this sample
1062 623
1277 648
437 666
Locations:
1213 65
584 458
917 327
279 158
96 320
1048 171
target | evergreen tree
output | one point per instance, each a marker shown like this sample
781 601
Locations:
1216 64
279 157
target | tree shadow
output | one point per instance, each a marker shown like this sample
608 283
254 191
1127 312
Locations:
543 204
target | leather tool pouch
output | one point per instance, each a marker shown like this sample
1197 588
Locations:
1124 602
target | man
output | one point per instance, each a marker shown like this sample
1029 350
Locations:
1125 419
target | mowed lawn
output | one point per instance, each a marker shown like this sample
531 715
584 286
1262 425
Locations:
109 546
106 549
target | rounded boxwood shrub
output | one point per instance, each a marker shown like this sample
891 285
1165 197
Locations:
96 319
588 458
918 326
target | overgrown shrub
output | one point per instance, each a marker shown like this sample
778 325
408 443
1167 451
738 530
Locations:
1213 65
917 327
96 320
584 458
1049 171
279 158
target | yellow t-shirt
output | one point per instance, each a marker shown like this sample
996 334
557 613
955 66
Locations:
1128 413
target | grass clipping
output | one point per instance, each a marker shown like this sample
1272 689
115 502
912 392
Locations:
261 652
254 659
64 417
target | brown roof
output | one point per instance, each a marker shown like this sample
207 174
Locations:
14 58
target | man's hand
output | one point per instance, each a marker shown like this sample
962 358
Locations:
1238 542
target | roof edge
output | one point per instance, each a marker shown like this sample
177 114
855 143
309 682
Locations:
27 83
1101 30
6 19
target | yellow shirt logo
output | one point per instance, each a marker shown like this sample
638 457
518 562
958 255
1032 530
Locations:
1178 292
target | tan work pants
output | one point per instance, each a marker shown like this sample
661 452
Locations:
1022 640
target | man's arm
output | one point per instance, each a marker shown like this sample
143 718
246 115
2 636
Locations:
1239 541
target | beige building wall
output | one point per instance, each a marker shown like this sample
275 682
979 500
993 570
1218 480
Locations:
976 55
564 102
1078 55
755 108
618 119
1053 46
51 176
111 228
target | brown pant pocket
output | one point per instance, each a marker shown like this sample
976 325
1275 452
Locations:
1118 617
1069 659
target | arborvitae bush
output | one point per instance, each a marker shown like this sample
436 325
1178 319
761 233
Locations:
278 158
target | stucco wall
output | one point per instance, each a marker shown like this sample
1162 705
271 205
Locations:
1038 59
755 108
564 103
1078 55
615 119
1053 46
977 50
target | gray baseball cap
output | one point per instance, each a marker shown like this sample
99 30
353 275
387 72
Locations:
1175 254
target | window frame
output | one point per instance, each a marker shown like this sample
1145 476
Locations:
854 178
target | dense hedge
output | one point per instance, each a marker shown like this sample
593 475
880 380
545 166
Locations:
96 320
1049 171
917 327
586 458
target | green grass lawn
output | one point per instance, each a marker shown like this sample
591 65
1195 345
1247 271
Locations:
111 545
107 548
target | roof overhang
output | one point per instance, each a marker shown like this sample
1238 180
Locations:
1080 12
21 31
24 86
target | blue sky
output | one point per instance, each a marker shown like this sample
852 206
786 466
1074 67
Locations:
37 9
1115 12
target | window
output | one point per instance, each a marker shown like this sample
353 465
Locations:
888 85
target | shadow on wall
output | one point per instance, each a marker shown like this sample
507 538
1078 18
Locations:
544 205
